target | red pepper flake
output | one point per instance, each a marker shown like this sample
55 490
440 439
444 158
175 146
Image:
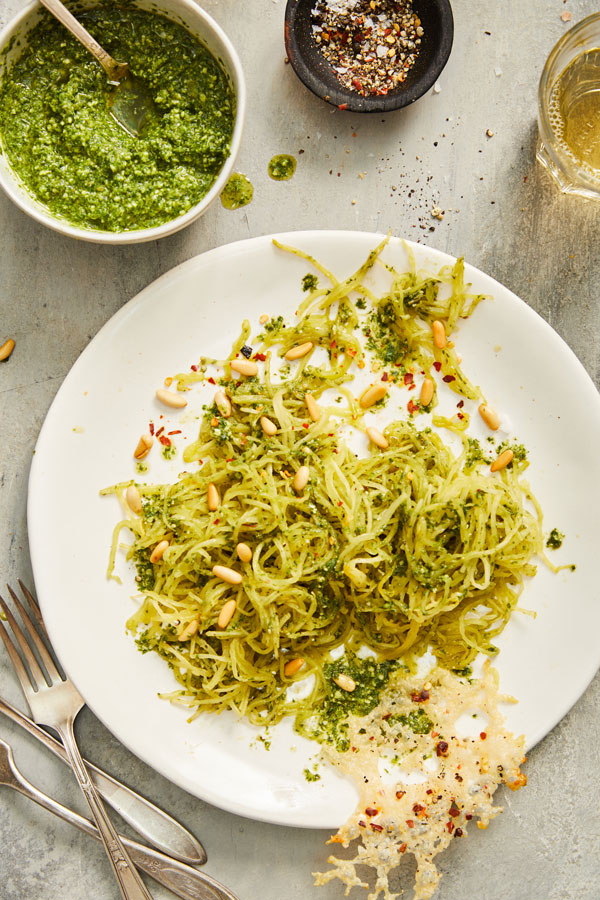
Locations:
370 811
460 415
429 791
356 83
343 106
410 823
448 378
460 404
412 406
420 697
412 386
402 848
260 356
194 368
151 427
375 827
216 522
459 777
454 810
419 810
400 795
211 380
165 440
177 431
483 735
437 366
441 748
450 827
305 425
458 832
362 824
333 344
385 377
468 817
409 378
160 431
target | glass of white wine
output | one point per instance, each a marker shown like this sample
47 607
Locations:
569 111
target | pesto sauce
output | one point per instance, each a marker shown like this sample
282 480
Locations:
370 678
555 539
61 140
237 192
282 167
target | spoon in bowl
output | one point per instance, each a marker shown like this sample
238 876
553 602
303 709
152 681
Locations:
130 103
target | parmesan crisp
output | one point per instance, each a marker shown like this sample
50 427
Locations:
426 761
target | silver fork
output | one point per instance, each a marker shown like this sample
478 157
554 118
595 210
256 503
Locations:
55 701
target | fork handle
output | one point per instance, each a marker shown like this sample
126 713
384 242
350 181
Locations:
131 885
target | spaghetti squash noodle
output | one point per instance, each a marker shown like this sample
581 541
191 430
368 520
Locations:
406 547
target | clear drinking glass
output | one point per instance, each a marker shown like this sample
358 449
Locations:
569 111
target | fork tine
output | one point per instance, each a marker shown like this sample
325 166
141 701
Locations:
34 637
28 681
35 607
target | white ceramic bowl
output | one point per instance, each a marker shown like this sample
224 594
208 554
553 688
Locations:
198 23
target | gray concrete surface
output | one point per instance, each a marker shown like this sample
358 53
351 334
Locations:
505 216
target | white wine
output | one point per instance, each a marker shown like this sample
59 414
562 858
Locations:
574 111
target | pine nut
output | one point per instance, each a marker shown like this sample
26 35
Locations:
439 334
345 682
267 426
244 366
226 574
158 551
372 395
244 552
377 438
502 461
189 631
293 666
6 349
134 501
299 351
314 410
143 446
223 404
226 614
263 319
490 417
212 497
427 389
169 398
301 478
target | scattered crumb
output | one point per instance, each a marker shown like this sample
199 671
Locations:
490 133
566 16
437 213
436 88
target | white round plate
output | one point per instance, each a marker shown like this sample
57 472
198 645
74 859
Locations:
526 371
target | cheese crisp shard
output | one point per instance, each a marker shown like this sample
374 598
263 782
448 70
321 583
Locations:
421 777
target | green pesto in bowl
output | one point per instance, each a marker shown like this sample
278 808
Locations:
60 139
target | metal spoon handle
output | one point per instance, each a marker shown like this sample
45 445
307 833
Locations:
149 821
181 879
114 70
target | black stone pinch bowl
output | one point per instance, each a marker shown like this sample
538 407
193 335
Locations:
312 68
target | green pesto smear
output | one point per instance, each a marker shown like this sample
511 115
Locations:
555 539
282 167
61 140
237 192
331 724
